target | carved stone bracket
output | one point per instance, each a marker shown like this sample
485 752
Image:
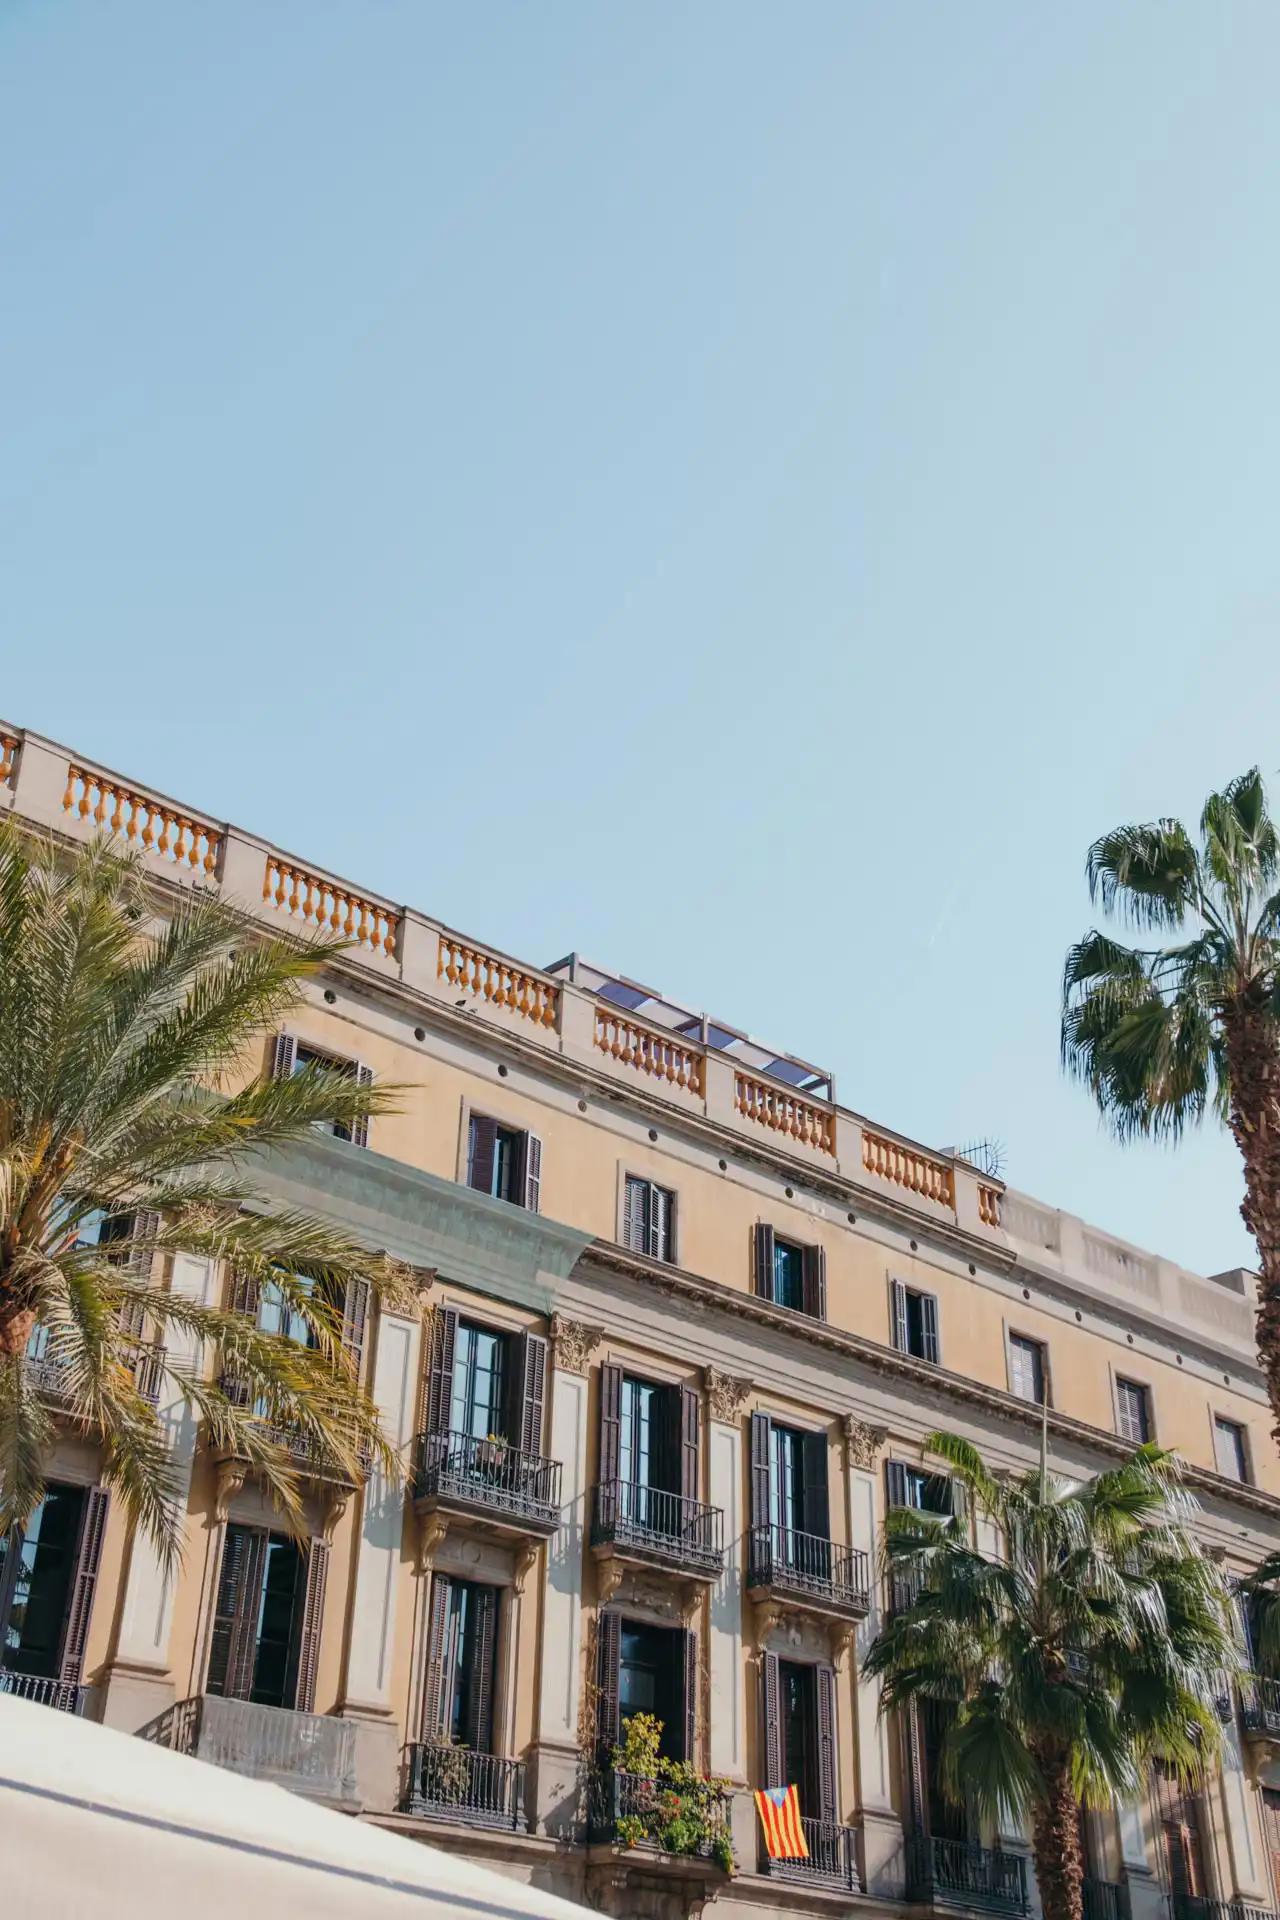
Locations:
862 1442
334 1502
726 1393
843 1635
525 1561
431 1531
573 1343
608 1579
230 1478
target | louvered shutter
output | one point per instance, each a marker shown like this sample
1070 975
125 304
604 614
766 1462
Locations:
634 1226
761 1442
916 1780
814 1275
825 1678
817 1511
480 1704
690 1754
143 1230
284 1057
482 1152
304 1698
608 1682
895 1481
930 1348
957 1497
901 1333
531 1171
246 1292
433 1669
764 1257
771 1707
444 1339
84 1580
690 1441
529 1376
234 1642
355 1321
360 1127
659 1223
610 1422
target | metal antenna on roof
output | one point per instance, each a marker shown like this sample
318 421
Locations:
987 1155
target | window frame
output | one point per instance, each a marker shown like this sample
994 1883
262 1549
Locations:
1119 1381
626 1176
287 1044
1012 1337
1219 1420
911 1292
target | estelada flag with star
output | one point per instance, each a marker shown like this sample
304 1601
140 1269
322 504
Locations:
779 1810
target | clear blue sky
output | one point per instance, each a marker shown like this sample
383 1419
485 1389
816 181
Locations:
747 492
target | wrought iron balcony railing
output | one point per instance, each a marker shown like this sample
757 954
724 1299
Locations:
452 1783
307 1456
489 1477
833 1856
616 1797
1104 1899
310 1753
664 1528
62 1694
1259 1704
808 1567
952 1873
1185 1907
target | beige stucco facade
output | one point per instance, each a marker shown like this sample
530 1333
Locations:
715 1122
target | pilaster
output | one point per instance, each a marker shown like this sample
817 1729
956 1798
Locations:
728 1746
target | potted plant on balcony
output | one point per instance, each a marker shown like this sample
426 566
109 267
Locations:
447 1773
491 1454
667 1801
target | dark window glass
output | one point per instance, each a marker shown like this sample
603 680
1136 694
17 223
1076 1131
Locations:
786 1481
797 1698
461 1675
926 1492
1026 1368
502 1176
312 1057
788 1275
1133 1408
46 1561
916 1325
476 1406
275 1608
651 1680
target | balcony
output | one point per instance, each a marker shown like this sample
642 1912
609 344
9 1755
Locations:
803 1569
647 1526
1187 1908
683 1824
473 1789
48 1374
487 1479
310 1753
833 1857
305 1455
1104 1899
953 1873
60 1694
1259 1705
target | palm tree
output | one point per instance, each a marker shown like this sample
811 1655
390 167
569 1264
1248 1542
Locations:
1062 1665
1161 1033
127 1096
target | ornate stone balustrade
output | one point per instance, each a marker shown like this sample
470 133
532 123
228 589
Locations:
472 970
329 907
144 822
905 1166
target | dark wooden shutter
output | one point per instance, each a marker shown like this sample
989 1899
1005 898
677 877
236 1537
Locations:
284 1056
608 1682
246 1292
482 1152
901 1335
355 1321
690 1753
825 1689
817 1510
895 1483
814 1273
531 1172
917 1781
761 1446
480 1705
610 1422
433 1668
771 1707
764 1257
930 1348
360 1127
75 1629
444 1338
529 1383
234 1644
690 1441
144 1228
304 1698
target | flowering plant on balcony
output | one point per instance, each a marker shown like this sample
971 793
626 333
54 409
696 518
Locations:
667 1801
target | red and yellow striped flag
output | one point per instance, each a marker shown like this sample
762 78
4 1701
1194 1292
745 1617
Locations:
779 1810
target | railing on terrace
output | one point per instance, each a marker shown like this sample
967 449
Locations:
662 1056
65 1695
1259 1704
903 1166
333 909
150 824
475 1789
952 1873
9 744
833 1856
308 1455
988 1205
501 983
310 1753
616 1796
785 1112
489 1476
659 1526
1186 1907
1104 1900
810 1567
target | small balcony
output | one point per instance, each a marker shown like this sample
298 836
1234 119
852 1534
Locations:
310 1753
49 1375
306 1456
833 1857
473 1789
1104 1899
1187 1908
647 1526
956 1874
683 1824
62 1695
1259 1705
489 1480
804 1569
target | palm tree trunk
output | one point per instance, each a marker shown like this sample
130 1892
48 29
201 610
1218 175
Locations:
1055 1842
1253 1064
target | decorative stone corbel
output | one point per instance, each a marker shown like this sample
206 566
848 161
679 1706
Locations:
862 1442
431 1531
525 1562
843 1635
333 1504
608 1579
726 1393
572 1343
690 1601
769 1614
230 1477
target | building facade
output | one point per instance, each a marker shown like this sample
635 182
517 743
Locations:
684 1324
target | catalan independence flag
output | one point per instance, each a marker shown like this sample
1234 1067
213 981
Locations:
779 1810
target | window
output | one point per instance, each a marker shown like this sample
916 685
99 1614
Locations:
504 1162
1230 1448
915 1322
298 1056
1027 1368
266 1618
476 1406
916 1487
799 1746
481 1382
649 1452
463 1657
1178 1812
647 1669
789 1274
1133 1411
799 1728
648 1218
789 1495
36 1568
635 1446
